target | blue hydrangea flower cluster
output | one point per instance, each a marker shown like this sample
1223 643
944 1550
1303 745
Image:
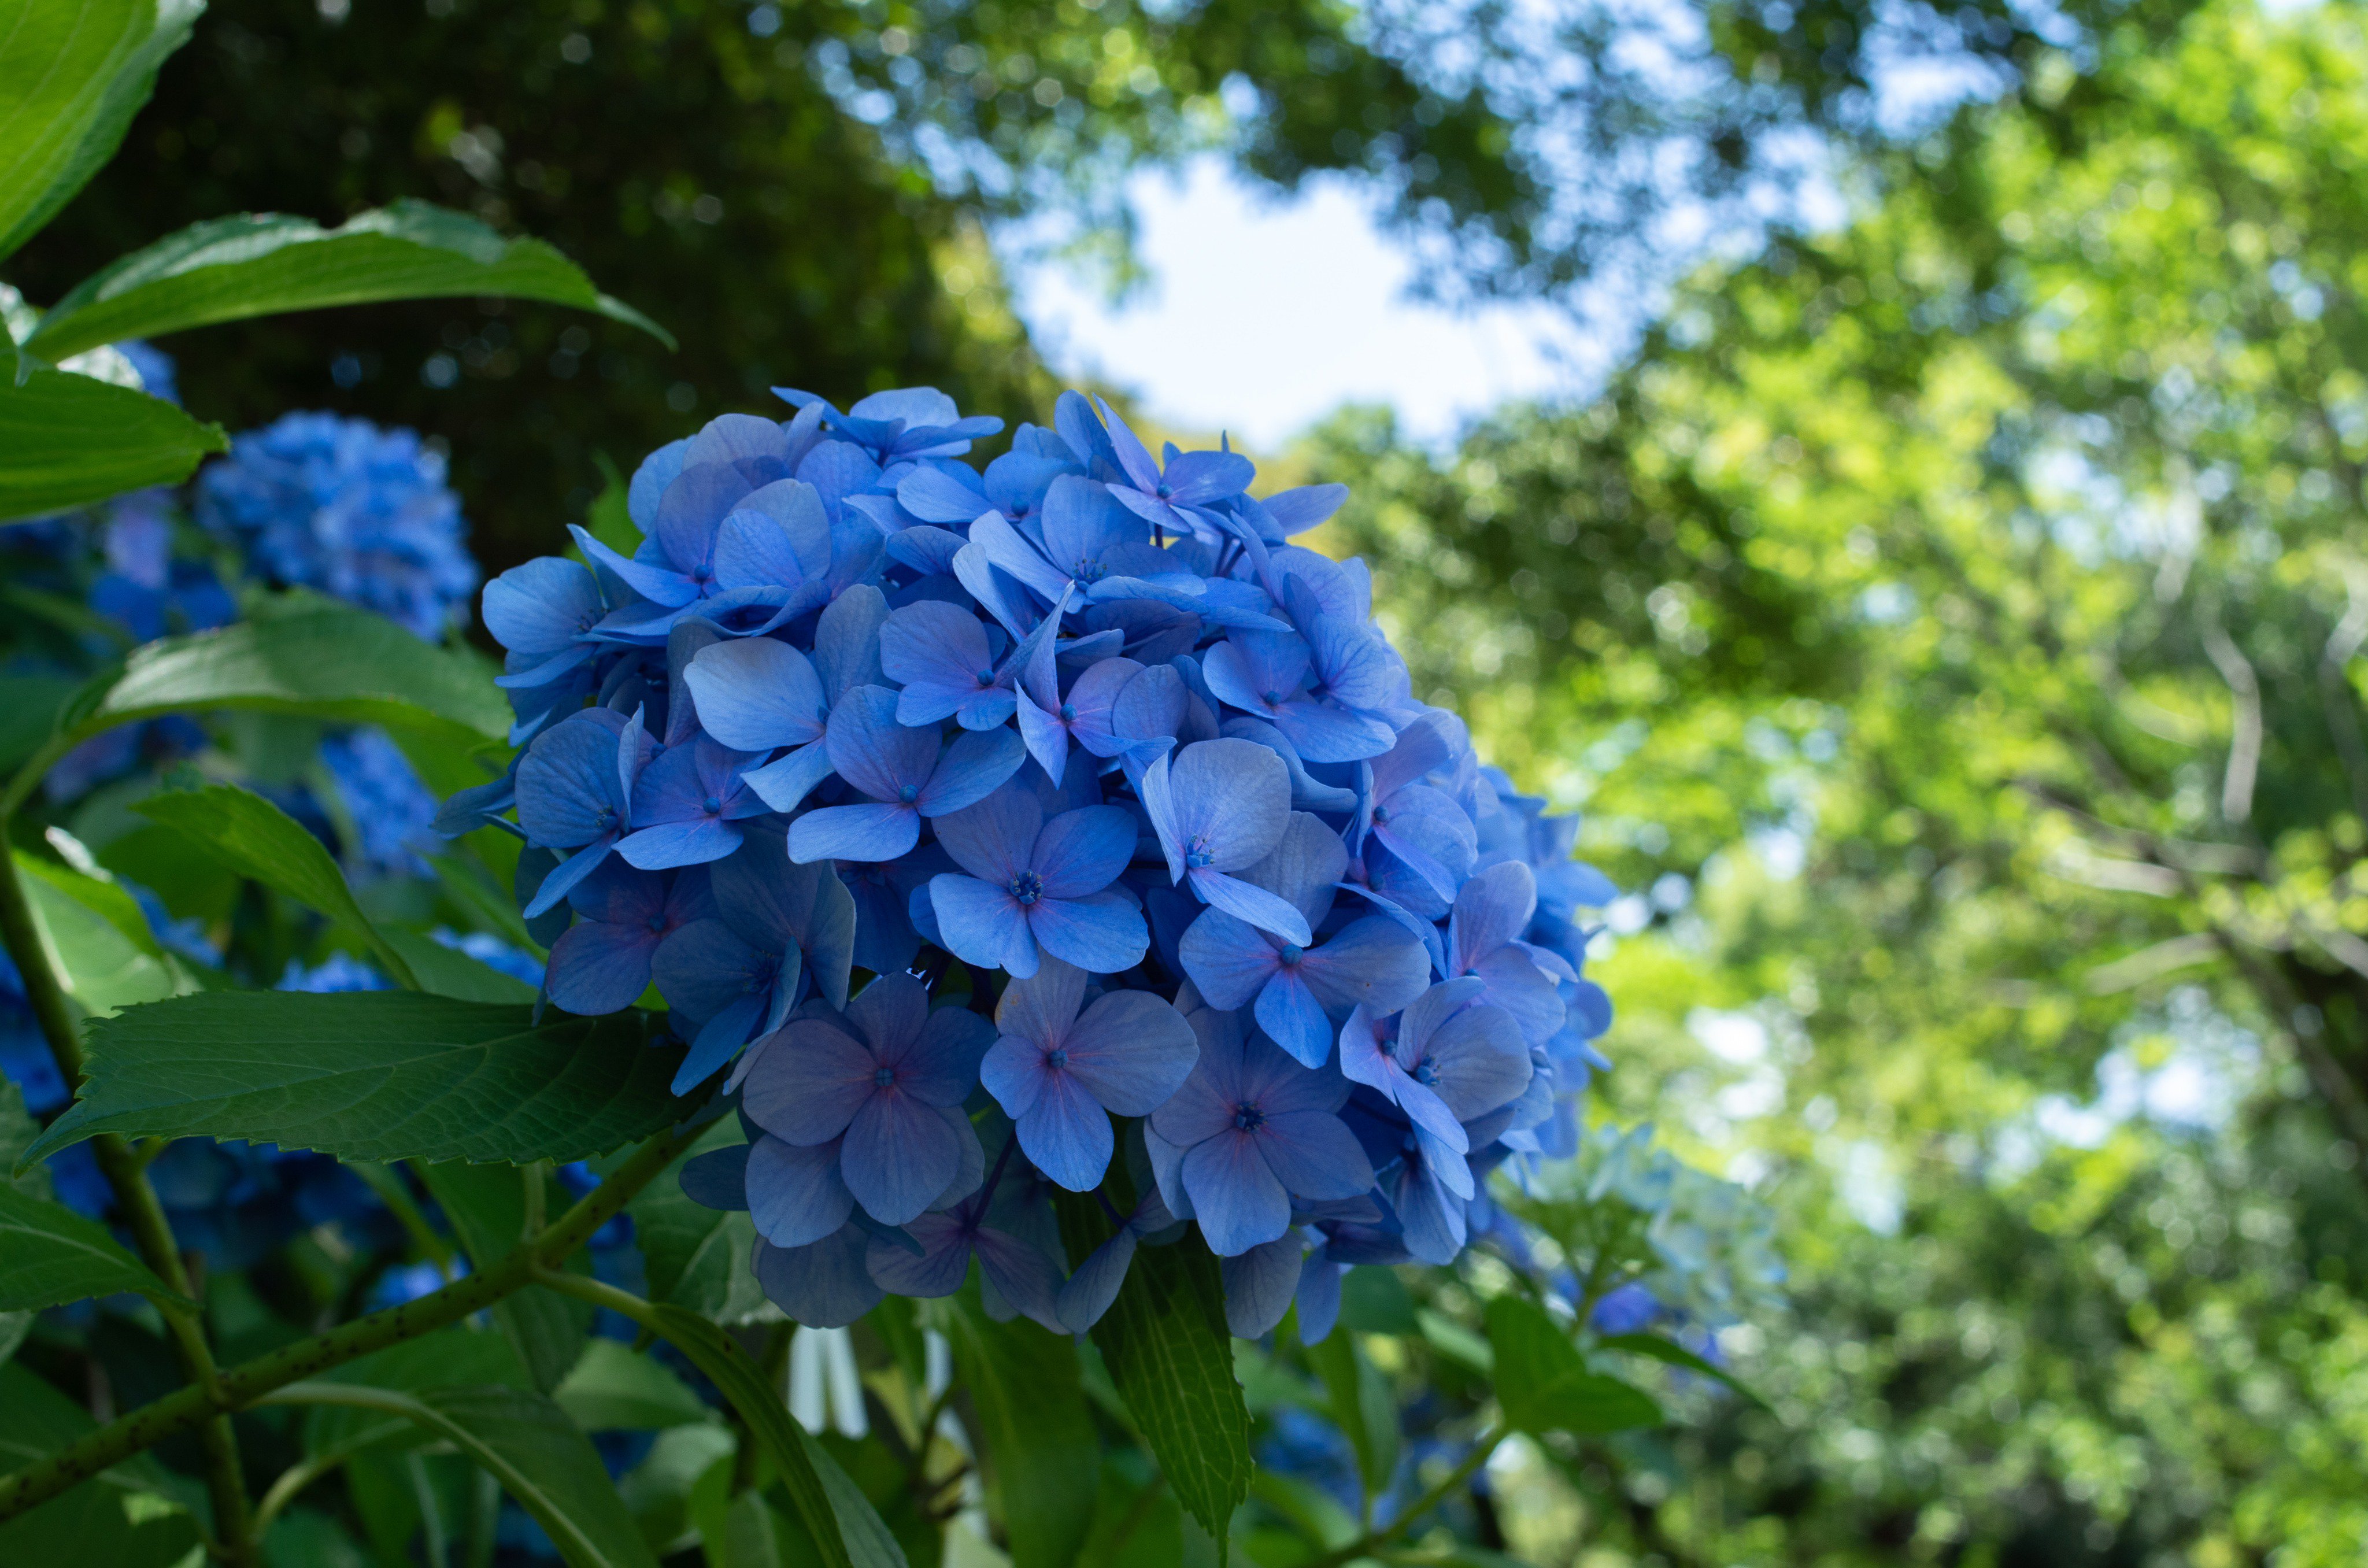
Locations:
347 509
1049 824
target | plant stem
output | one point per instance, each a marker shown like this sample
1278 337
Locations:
246 1384
1372 1540
135 1199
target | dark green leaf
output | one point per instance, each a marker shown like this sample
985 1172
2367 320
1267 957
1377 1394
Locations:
836 1514
1655 1348
1137 1523
29 707
1314 1513
1172 1359
104 969
17 1131
68 440
527 1443
256 839
269 264
694 1257
309 657
134 1515
448 971
50 1256
1036 1437
613 1386
1542 1382
374 1075
458 1357
486 1205
77 72
1360 1405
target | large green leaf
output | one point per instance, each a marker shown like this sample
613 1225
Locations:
1653 1348
77 72
50 1256
259 841
105 966
614 1387
1360 1404
374 1075
311 657
457 1356
1543 1382
1172 1359
448 971
1039 1444
487 1206
68 440
265 264
527 1442
134 1515
843 1525
694 1257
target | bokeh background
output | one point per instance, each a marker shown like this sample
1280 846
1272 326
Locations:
1896 469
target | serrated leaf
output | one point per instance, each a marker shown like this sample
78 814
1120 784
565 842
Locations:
1542 1382
50 1256
845 1528
267 264
256 839
77 72
693 1257
1171 1357
1037 1441
527 1442
1654 1347
486 1205
68 440
372 1075
134 1515
307 657
614 1387
17 1131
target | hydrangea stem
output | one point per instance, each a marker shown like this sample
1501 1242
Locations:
245 1384
143 1213
1372 1540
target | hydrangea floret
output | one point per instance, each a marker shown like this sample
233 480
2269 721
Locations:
1053 824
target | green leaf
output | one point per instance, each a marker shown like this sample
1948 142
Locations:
372 1075
693 1257
269 264
50 1256
17 1131
259 841
77 72
1037 1439
134 1515
658 1490
527 1442
309 657
1137 1524
487 1206
1542 1382
1654 1347
450 1357
448 971
29 707
68 440
100 894
104 969
613 1387
1169 1352
842 1522
1360 1404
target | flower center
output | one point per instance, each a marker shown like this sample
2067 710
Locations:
884 1078
1426 1073
1057 1057
909 793
1028 887
1290 955
1069 712
1088 570
713 806
608 817
1273 698
1381 813
1198 853
1248 1118
985 678
658 921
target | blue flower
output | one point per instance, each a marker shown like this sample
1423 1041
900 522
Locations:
1222 808
1034 883
347 509
392 811
1059 1074
601 963
906 775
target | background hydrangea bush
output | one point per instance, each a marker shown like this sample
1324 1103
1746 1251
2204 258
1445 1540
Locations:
1041 826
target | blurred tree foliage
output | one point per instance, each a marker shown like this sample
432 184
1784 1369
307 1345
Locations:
1960 612
800 191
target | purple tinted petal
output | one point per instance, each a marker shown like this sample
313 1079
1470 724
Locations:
1372 963
756 694
796 1194
1066 1134
1303 866
940 1268
810 1083
941 1066
1314 1154
1528 993
598 967
1027 1279
854 833
1104 933
1235 1196
872 751
1259 1284
1013 1071
1491 909
1095 1285
572 870
986 709
939 652
827 1284
568 789
1082 852
898 1156
1430 1113
976 762
1237 794
1132 1052
1228 958
717 1179
1318 1298
1042 1009
981 922
889 1013
1294 1021
991 839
